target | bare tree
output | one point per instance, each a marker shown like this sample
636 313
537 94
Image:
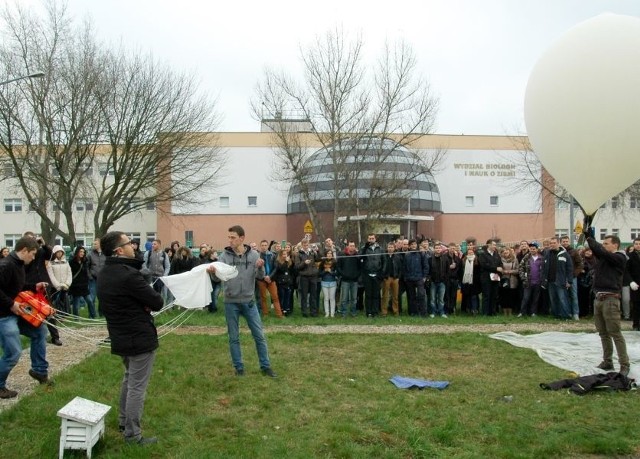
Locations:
119 114
349 111
157 151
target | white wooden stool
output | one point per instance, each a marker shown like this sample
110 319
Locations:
82 424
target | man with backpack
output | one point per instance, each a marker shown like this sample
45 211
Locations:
158 263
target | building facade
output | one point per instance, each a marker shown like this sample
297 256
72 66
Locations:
476 188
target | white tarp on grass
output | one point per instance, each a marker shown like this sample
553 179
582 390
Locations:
577 352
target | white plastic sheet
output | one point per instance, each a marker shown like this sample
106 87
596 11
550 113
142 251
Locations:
192 289
577 352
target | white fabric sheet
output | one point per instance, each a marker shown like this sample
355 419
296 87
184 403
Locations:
577 352
192 289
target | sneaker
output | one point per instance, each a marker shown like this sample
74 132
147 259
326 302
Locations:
8 393
431 316
533 315
444 316
141 441
41 378
520 315
268 372
576 317
606 365
56 342
240 372
624 370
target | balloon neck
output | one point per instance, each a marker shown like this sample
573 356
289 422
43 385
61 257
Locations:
588 219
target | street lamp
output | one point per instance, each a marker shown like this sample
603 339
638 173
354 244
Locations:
24 77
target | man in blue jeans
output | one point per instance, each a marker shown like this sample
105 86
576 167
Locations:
12 282
239 299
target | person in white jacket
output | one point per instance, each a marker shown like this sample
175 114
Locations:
60 275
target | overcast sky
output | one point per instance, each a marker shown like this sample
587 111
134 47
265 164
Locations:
477 55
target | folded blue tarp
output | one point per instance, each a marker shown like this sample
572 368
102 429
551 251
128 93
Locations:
402 382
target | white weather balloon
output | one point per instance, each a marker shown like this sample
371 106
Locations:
582 109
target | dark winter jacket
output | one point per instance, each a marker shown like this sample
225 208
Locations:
606 381
348 267
609 268
126 301
372 259
633 268
182 265
488 264
307 269
416 266
394 265
12 282
284 274
439 267
36 271
80 272
563 267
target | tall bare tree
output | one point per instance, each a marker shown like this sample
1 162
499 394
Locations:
98 111
349 109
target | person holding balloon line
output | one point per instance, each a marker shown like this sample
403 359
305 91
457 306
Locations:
607 287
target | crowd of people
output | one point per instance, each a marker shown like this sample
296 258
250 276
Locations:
433 279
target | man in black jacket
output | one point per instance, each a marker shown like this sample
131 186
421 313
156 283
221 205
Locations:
607 287
127 301
12 282
373 268
348 268
490 270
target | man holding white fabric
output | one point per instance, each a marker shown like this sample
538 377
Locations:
239 299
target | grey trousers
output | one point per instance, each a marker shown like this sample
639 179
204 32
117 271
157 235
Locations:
132 393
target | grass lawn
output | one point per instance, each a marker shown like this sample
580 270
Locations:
333 399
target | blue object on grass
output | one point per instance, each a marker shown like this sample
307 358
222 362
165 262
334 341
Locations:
402 382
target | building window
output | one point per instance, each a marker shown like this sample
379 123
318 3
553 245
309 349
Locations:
252 201
635 232
493 201
224 201
561 204
468 201
603 233
561 232
105 169
150 205
13 205
615 232
7 170
11 239
614 202
84 205
150 238
634 202
84 239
